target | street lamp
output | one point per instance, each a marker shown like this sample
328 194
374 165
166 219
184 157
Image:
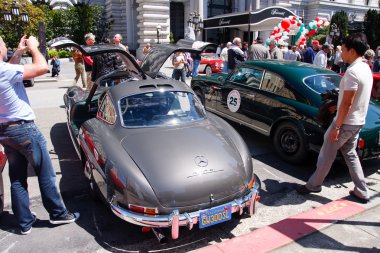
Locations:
158 28
14 15
195 21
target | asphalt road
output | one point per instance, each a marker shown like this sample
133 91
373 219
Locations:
98 230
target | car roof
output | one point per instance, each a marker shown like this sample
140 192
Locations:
289 69
150 85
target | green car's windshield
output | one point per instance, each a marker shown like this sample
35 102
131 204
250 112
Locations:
322 83
160 108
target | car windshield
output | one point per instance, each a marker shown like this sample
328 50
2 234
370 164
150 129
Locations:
160 108
322 83
209 56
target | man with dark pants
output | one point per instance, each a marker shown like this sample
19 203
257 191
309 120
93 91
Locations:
354 94
22 140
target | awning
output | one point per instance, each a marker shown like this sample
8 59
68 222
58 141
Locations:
259 20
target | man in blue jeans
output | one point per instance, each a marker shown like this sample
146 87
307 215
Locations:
22 140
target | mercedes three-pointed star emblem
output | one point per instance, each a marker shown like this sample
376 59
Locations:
201 161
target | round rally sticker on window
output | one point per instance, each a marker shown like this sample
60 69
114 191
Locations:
233 101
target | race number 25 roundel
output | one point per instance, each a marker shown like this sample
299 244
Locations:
233 101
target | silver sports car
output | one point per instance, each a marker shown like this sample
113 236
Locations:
152 152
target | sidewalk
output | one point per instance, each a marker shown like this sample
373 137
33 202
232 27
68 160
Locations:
342 225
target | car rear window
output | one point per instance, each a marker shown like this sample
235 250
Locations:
322 83
160 109
209 56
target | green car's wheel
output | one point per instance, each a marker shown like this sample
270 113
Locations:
290 143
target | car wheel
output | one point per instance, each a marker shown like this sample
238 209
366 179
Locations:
208 70
290 143
199 94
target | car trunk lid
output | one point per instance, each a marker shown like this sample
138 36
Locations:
189 165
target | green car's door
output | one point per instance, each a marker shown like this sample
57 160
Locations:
237 97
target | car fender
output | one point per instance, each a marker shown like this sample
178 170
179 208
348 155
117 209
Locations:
228 131
112 164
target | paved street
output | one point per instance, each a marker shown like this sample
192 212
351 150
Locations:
98 230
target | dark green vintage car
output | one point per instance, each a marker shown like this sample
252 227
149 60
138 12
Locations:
280 99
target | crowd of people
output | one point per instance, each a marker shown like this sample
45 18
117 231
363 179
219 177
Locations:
324 55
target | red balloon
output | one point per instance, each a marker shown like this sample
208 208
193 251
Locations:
318 25
298 24
285 23
292 21
317 19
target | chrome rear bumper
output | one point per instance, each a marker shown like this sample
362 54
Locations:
176 220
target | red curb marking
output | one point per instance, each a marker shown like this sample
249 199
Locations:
288 230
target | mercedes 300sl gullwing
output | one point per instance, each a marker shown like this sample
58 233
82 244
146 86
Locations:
152 152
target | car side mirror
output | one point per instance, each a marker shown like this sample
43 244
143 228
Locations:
220 78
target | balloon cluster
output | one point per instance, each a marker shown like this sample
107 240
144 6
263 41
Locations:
294 25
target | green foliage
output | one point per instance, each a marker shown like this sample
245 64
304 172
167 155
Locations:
321 35
341 20
82 19
73 22
371 28
60 53
9 30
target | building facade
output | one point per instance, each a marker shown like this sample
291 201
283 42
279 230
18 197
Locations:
153 21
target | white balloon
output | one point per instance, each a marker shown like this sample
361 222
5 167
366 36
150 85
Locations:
327 23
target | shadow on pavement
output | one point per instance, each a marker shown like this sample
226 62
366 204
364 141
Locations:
109 231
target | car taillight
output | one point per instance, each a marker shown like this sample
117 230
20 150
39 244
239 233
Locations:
141 209
361 143
252 183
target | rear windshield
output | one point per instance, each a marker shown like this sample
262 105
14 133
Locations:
209 56
322 83
160 108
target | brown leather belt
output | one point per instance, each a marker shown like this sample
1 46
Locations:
15 123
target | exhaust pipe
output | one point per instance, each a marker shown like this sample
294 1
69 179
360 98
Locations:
162 239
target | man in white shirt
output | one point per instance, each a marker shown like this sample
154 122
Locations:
321 57
275 52
117 41
343 133
338 62
293 54
224 57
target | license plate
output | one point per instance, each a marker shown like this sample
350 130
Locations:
214 216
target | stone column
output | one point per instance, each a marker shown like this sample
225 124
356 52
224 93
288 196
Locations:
198 35
150 14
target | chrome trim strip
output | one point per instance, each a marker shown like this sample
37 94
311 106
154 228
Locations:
175 219
238 121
